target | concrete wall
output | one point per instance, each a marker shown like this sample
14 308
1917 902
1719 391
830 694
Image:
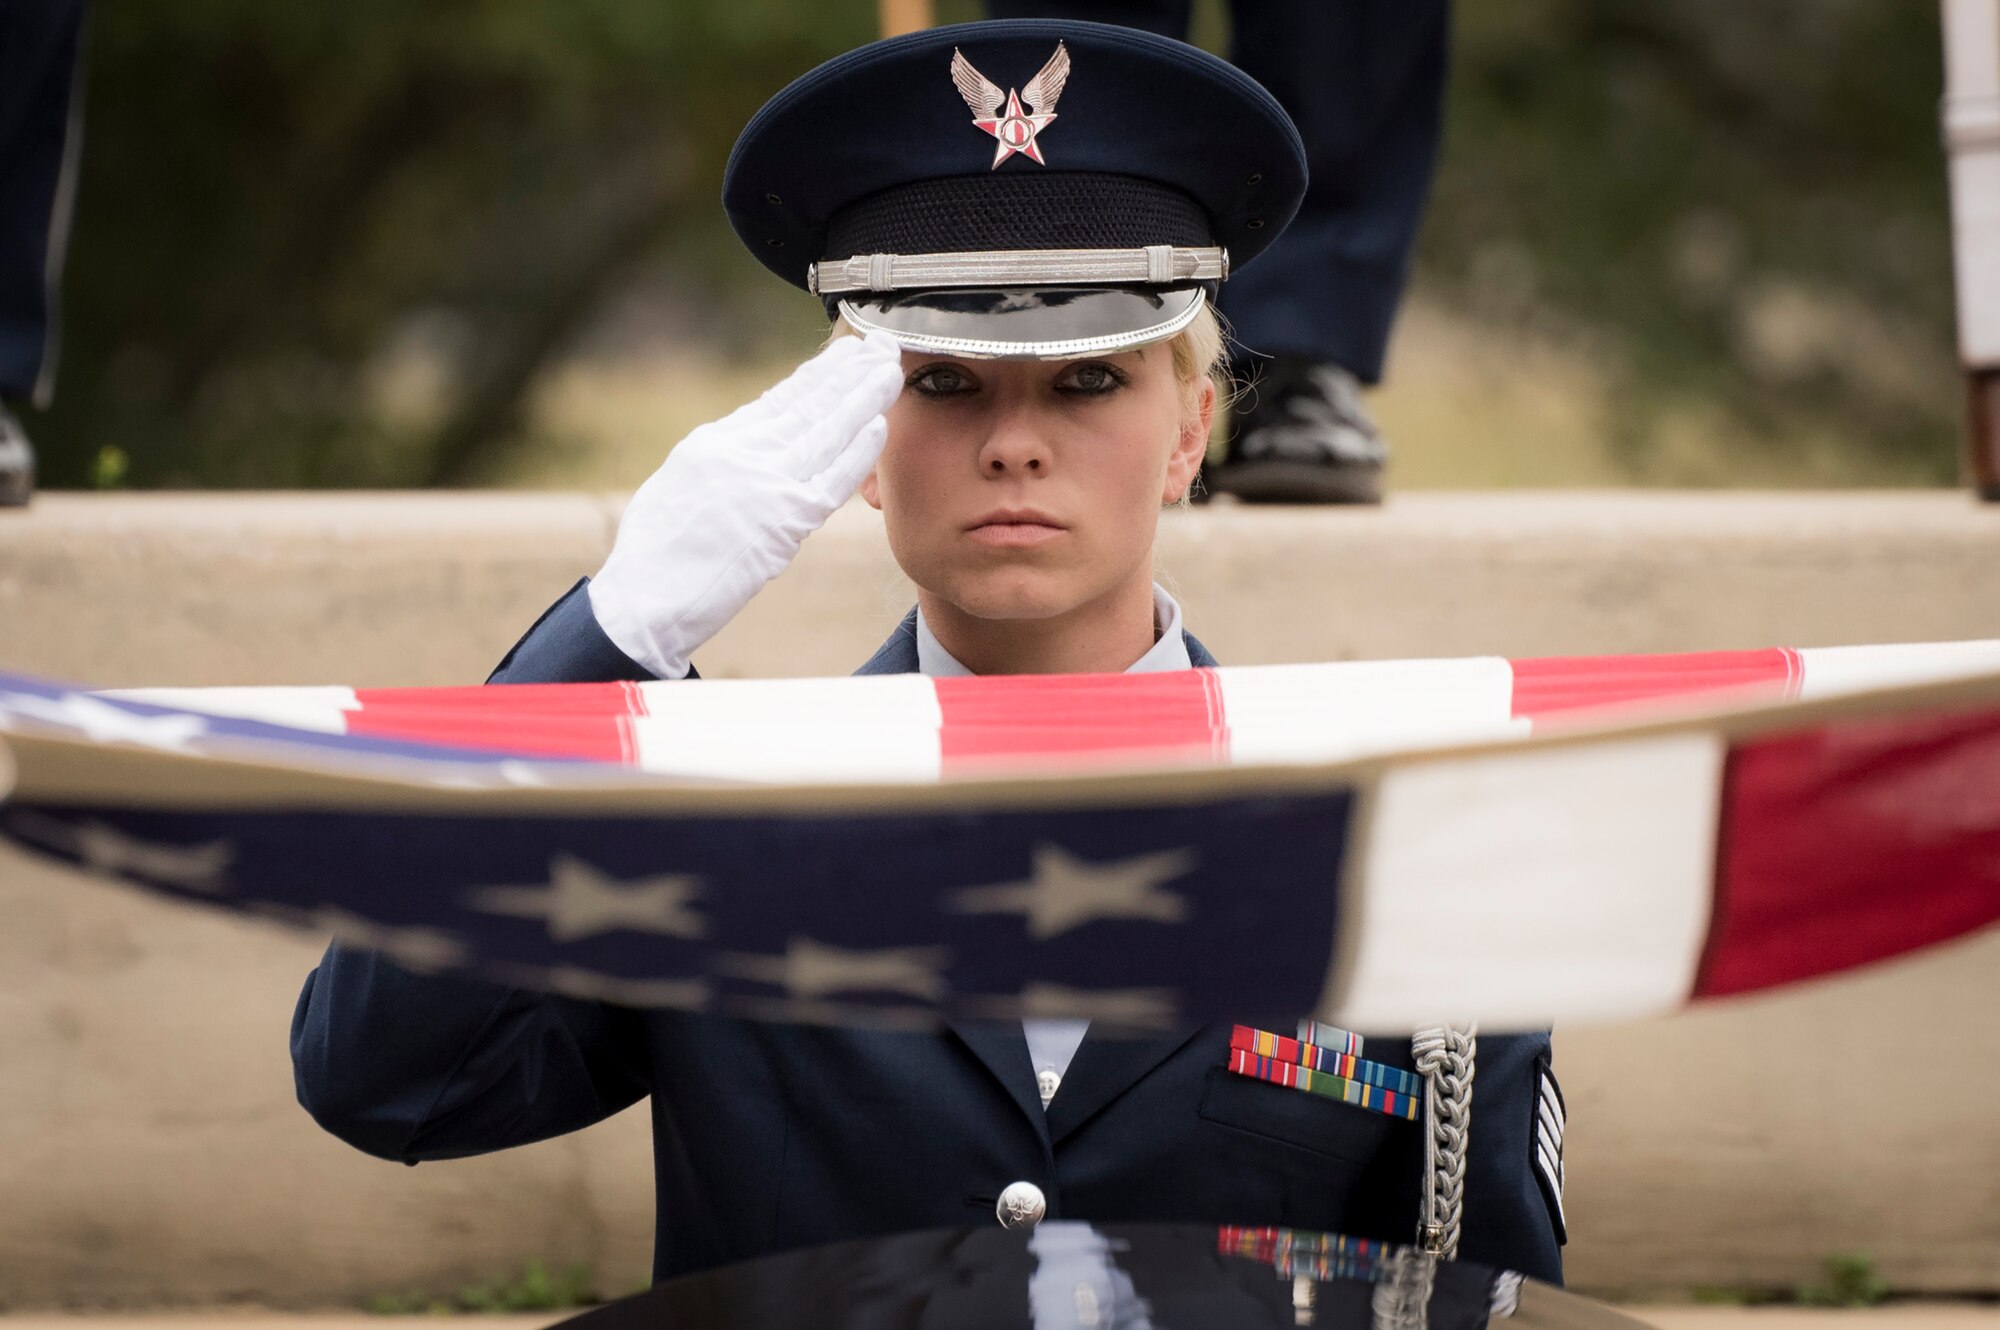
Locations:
423 589
150 1150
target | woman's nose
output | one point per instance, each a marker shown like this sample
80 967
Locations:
1015 447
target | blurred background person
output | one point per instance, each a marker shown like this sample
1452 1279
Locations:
40 135
1364 81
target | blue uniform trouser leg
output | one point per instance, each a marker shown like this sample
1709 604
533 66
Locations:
1364 82
40 42
1169 18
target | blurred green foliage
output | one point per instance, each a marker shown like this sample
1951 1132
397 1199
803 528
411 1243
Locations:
1742 204
1737 205
277 198
536 1289
1850 1280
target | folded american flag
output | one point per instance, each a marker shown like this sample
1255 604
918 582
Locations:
1383 844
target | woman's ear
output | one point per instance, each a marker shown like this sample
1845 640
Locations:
871 491
1192 446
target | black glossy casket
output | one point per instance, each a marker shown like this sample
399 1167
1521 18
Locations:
1076 1276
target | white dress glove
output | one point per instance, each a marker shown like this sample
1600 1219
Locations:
728 509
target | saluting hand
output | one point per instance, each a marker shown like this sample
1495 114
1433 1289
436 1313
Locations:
728 509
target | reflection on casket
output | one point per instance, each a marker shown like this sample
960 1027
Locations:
1075 1276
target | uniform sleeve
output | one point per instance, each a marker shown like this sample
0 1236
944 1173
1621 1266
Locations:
408 1066
1513 1198
566 645
411 1067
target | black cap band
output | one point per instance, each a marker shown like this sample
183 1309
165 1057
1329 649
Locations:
1018 210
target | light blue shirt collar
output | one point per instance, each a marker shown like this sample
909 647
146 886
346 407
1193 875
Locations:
1170 652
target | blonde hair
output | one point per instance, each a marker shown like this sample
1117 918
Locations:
1199 350
1200 353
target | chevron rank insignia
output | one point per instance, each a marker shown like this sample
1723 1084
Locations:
1549 1119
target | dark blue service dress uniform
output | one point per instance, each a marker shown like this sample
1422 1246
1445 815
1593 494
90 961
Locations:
768 1136
40 133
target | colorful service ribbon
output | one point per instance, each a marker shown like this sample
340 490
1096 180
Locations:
1326 1072
1295 1252
1329 1036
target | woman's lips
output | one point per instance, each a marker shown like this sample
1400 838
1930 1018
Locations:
1014 535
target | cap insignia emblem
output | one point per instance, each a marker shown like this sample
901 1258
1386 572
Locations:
1000 113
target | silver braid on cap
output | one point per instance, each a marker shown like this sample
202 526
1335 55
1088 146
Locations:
1155 264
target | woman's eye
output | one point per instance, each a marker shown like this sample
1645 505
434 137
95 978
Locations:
940 381
1091 380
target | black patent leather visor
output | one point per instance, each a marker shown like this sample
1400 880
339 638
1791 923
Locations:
1029 323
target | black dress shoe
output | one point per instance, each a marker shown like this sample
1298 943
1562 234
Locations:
17 462
1301 436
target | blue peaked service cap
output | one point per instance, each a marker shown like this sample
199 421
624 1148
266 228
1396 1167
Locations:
1018 189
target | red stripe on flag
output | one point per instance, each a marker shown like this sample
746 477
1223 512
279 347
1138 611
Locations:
998 717
1565 683
586 721
1851 843
599 699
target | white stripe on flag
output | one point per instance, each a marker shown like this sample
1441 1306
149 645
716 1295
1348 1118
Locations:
872 699
1326 713
321 710
838 731
1830 671
1565 884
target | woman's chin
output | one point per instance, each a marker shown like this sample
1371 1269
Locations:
1013 594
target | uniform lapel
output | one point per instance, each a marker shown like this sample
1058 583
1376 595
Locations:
1103 1069
1004 1049
898 655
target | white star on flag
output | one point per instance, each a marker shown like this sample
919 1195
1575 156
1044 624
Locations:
104 723
820 1011
809 969
685 994
103 848
1065 892
1149 1007
415 948
581 901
